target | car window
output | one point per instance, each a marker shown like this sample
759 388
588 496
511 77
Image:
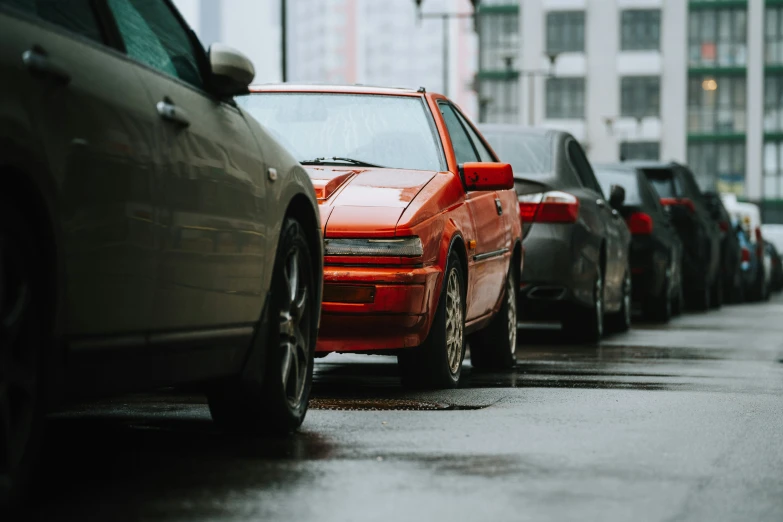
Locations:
463 148
582 166
627 180
76 16
154 36
483 151
664 182
527 153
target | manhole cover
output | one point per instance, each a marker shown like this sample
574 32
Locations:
376 405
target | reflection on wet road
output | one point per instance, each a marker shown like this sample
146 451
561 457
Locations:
682 422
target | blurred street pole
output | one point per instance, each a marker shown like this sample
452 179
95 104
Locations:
284 40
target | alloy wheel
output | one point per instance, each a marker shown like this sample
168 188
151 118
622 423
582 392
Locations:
512 314
295 331
18 362
454 322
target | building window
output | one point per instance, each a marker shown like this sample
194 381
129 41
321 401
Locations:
773 170
499 100
773 35
773 103
716 105
565 31
640 30
498 40
718 37
718 165
640 96
640 150
565 98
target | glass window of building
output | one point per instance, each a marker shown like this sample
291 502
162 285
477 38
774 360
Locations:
640 96
565 98
773 35
773 103
565 31
718 165
640 30
716 105
640 150
718 37
773 170
499 100
498 40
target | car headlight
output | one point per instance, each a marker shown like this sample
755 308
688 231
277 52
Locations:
403 247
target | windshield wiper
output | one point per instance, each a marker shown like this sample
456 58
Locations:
324 161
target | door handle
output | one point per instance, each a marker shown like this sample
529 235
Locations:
499 207
170 112
37 62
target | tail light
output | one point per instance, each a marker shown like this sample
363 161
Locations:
724 226
745 255
681 202
550 207
640 224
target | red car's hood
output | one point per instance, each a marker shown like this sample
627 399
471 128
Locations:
365 202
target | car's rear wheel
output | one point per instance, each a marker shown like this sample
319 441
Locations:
21 337
660 308
437 363
621 321
274 397
494 347
586 324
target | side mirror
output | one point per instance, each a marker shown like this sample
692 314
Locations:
488 176
616 196
232 71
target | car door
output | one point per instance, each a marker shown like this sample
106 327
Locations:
89 113
488 260
212 178
608 223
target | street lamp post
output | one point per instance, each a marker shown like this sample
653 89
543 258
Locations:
446 17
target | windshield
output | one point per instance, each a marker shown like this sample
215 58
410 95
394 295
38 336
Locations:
387 131
527 154
628 181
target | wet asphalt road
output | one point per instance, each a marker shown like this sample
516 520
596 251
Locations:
675 423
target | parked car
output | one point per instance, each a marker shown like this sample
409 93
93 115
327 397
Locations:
774 235
751 265
749 217
423 240
576 263
729 246
151 232
698 232
656 250
776 269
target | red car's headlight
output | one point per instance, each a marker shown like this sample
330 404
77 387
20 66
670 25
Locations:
387 247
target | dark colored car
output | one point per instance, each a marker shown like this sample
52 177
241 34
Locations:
656 250
698 231
576 266
730 253
776 280
751 265
152 233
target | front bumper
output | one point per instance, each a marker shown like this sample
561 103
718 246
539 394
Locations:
398 313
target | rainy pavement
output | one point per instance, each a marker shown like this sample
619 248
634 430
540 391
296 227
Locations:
675 423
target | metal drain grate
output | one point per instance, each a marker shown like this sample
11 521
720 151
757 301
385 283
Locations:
376 405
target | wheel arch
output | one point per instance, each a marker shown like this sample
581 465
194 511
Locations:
302 210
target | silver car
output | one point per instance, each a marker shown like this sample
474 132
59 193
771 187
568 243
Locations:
151 232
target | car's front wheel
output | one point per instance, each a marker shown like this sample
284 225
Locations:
437 363
274 397
494 347
21 338
586 324
621 321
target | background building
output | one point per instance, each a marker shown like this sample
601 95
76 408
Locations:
646 79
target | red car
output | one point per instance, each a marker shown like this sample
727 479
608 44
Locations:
422 236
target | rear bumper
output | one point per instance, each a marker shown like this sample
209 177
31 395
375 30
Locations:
397 315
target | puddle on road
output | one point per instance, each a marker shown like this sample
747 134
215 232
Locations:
380 404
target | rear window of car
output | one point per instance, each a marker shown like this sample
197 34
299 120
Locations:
527 154
664 182
627 180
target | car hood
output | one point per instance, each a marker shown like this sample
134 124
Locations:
365 202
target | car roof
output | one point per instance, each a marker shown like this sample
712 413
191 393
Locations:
331 88
647 164
511 128
620 168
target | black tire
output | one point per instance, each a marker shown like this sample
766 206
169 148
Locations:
678 301
661 308
620 322
273 398
494 347
716 293
22 336
434 365
700 297
585 325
